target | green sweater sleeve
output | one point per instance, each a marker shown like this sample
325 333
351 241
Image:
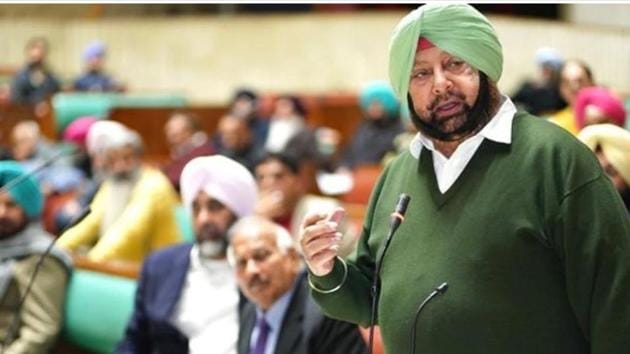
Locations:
352 302
591 235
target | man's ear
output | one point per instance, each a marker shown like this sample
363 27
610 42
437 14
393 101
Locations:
295 257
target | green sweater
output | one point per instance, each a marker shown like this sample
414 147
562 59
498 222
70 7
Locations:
532 238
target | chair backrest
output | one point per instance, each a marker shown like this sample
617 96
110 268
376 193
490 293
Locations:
184 223
69 106
97 309
364 178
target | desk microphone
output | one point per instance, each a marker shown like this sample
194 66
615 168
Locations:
397 217
16 312
438 291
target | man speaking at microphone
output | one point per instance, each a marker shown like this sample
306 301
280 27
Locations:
514 213
22 242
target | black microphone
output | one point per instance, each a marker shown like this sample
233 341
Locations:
397 217
438 291
16 312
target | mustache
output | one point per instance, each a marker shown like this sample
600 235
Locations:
10 227
210 232
256 281
446 97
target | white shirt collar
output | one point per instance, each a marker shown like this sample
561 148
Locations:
498 129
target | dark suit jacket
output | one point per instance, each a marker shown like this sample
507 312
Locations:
160 285
304 330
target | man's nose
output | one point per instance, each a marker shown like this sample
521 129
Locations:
251 267
441 83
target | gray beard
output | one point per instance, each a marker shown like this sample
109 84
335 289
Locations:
119 196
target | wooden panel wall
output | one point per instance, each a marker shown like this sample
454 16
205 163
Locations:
11 114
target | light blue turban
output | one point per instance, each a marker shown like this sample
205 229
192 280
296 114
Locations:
457 29
26 193
382 92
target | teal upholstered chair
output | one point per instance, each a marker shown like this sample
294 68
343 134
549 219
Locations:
69 106
98 307
184 223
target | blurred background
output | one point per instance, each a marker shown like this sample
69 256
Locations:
206 51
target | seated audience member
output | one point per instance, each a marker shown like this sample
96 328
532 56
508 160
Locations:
76 133
574 76
95 79
611 144
283 198
91 136
186 141
187 299
246 104
32 151
22 242
237 141
596 105
281 318
381 124
541 95
35 82
28 144
288 132
133 210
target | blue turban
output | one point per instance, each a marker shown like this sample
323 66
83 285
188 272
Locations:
94 50
382 92
26 193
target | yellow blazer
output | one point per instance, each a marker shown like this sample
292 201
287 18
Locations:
147 223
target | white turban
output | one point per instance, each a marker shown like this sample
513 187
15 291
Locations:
99 134
614 142
222 179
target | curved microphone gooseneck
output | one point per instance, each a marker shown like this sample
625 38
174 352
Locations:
397 218
438 291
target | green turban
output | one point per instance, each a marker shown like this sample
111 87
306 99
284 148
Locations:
458 29
26 193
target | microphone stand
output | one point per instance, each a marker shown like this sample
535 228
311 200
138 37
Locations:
397 219
376 287
438 291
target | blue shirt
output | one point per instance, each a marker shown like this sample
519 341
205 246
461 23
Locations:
95 82
274 317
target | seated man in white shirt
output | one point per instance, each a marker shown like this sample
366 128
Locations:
187 298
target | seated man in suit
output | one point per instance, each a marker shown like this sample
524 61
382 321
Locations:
281 317
187 298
